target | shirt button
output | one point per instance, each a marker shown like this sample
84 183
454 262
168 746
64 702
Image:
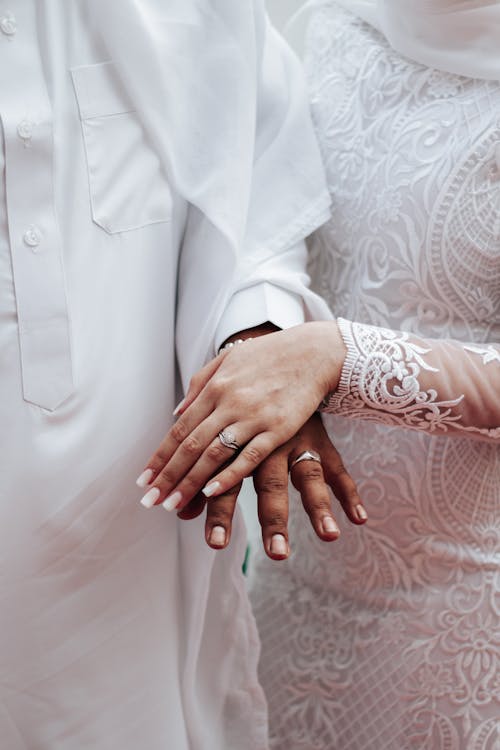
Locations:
25 130
32 237
8 24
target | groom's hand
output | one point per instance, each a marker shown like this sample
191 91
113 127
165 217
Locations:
311 478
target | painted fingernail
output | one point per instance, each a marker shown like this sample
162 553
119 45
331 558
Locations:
151 497
179 406
144 479
361 513
218 536
172 500
329 526
211 489
279 545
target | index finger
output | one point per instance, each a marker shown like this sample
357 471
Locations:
271 485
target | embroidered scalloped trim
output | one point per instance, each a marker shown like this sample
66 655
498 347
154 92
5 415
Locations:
380 381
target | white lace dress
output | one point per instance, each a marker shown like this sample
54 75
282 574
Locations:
389 639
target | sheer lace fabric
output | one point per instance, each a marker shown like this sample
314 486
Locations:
436 386
389 638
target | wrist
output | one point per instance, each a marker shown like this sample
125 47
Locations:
332 354
250 333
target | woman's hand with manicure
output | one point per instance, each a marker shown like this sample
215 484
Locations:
262 391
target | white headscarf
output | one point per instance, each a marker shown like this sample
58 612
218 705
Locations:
458 36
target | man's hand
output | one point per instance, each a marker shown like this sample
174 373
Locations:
310 478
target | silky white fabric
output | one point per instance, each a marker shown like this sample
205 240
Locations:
261 142
458 36
389 638
119 627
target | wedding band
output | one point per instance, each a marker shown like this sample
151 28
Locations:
309 455
228 440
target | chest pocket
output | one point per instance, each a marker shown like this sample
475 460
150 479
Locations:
128 188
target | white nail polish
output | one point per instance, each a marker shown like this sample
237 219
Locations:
144 479
279 545
179 407
150 497
211 489
218 536
329 526
172 500
361 513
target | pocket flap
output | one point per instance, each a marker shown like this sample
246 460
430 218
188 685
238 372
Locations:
99 91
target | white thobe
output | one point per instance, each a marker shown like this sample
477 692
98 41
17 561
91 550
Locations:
119 628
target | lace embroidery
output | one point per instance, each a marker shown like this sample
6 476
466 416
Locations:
489 353
381 374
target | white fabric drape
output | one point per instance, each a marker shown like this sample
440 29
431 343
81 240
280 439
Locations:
457 36
251 112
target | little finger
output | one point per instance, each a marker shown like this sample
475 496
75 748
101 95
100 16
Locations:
342 484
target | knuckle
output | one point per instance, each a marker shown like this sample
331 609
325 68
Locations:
254 455
276 519
216 452
312 472
231 478
159 458
272 484
194 382
190 484
319 506
191 446
179 431
219 515
217 386
165 477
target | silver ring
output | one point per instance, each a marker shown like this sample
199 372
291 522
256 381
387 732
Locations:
228 440
308 455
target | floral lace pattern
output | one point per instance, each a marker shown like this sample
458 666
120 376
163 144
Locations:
389 639
381 380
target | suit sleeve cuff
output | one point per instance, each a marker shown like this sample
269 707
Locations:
256 305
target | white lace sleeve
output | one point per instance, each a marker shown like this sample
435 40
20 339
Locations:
427 384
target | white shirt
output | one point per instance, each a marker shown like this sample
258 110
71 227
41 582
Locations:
120 628
97 132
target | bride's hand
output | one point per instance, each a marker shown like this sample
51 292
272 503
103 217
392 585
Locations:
258 394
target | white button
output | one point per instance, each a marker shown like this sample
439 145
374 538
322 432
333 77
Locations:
32 237
8 24
25 130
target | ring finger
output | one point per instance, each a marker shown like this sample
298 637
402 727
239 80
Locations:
308 478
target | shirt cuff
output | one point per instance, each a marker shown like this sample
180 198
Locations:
256 305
